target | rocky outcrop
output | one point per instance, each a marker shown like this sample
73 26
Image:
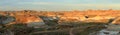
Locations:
30 20
50 21
6 19
27 18
36 24
72 16
116 21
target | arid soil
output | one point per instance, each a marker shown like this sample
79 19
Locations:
72 16
30 22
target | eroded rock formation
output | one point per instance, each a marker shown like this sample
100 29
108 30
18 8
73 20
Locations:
27 16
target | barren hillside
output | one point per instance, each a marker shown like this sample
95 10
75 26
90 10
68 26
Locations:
26 16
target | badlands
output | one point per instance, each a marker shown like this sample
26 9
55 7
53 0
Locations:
104 16
53 22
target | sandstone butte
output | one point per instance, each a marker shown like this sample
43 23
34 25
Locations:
27 16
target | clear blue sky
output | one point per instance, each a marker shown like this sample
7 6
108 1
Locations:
54 5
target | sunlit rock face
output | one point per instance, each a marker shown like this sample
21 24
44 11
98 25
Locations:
27 18
116 21
98 18
35 22
30 20
92 16
71 19
82 18
71 16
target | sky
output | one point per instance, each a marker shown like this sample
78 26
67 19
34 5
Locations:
58 5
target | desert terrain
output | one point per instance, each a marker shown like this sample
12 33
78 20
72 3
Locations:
26 16
76 22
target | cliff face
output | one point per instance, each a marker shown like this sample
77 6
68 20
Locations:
92 16
27 16
116 21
